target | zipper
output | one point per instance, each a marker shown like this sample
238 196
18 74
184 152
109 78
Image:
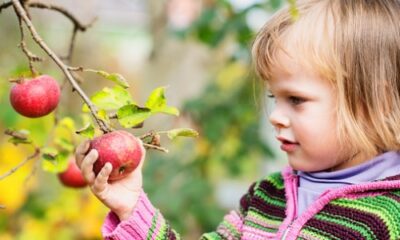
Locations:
294 183
287 231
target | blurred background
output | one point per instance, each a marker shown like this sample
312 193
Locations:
199 50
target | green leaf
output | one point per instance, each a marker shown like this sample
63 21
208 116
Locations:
16 141
87 131
115 77
19 136
102 114
157 99
58 164
182 132
158 103
169 110
132 115
49 153
111 98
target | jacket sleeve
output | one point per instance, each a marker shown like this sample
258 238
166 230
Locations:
232 225
146 222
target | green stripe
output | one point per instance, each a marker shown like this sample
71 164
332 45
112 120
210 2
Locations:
258 212
153 225
231 228
270 199
346 222
366 205
276 180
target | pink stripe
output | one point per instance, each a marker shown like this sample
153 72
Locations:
250 233
290 181
261 222
234 219
329 195
136 226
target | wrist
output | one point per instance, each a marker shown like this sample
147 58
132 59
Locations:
124 215
125 212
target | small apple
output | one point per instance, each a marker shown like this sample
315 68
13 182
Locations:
121 149
35 97
72 176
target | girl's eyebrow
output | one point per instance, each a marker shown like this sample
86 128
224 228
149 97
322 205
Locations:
288 92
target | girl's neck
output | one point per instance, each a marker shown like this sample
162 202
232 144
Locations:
354 160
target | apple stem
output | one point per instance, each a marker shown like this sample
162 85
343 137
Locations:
151 146
65 69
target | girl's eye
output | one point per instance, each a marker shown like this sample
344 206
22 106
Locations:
296 100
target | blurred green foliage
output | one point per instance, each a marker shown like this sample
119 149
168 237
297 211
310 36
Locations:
227 114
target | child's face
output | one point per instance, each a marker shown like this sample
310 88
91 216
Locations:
304 117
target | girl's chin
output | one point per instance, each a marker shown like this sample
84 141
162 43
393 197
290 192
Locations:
299 165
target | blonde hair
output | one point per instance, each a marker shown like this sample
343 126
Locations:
355 45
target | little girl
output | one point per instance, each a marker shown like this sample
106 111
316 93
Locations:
334 73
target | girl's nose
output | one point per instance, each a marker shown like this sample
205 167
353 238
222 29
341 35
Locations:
278 119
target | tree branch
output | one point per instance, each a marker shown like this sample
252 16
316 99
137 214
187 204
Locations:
78 26
66 13
31 57
14 169
5 5
22 13
71 44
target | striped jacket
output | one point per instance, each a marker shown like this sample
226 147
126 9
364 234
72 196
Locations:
268 211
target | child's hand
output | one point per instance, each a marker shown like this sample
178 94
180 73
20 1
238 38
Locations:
121 195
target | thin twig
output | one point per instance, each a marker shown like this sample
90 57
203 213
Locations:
75 69
146 135
32 173
15 134
147 145
71 44
14 169
5 5
21 12
31 57
65 12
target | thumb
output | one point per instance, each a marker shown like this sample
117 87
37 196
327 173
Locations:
143 150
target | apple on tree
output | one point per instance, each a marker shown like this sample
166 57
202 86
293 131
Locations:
72 176
121 149
35 97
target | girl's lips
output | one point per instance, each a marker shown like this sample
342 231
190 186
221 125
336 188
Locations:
287 145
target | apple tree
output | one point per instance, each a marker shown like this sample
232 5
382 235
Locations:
224 112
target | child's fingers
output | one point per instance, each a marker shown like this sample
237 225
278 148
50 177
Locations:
101 181
81 151
87 166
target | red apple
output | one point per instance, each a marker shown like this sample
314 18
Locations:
35 97
121 149
72 177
